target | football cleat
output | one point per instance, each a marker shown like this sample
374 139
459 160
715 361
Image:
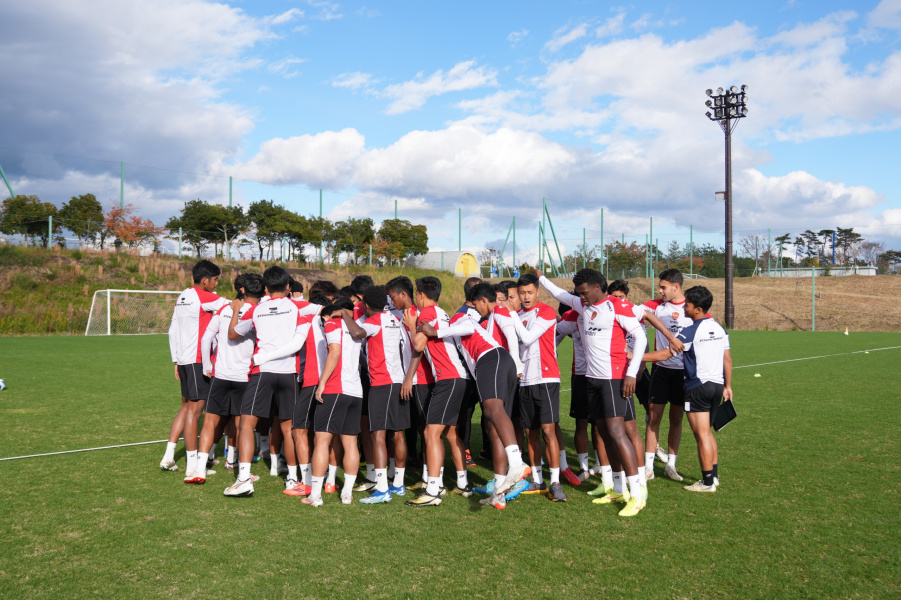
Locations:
397 490
314 502
377 498
513 475
633 507
613 497
168 465
649 472
602 490
672 473
485 490
424 499
330 488
698 486
570 477
535 488
195 477
661 455
583 474
419 485
469 461
514 492
298 489
239 488
346 498
497 501
465 492
366 486
555 492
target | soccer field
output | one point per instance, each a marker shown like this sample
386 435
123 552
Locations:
808 505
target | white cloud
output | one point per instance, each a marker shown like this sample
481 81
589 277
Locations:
563 37
353 81
287 16
514 37
285 67
611 26
327 10
412 94
886 15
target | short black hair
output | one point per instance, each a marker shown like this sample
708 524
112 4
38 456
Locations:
672 276
400 284
506 285
527 279
205 268
328 310
591 277
276 279
239 283
500 289
619 285
343 303
296 286
430 286
483 290
469 292
253 285
470 283
360 284
320 300
376 297
699 296
347 291
324 287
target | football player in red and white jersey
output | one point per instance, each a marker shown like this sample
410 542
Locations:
194 309
666 376
610 379
539 387
443 410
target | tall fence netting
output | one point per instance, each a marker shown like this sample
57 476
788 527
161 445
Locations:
130 312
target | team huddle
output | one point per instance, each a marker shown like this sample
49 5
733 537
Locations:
311 382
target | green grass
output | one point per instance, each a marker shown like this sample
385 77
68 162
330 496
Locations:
808 506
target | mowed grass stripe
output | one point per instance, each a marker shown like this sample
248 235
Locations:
807 507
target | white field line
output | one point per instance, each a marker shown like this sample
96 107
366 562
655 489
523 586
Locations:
778 362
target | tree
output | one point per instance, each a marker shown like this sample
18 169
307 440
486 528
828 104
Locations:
623 259
268 223
83 216
869 251
229 221
130 228
826 234
28 216
811 243
352 235
413 239
846 240
890 257
199 222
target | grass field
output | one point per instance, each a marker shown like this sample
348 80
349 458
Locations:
808 506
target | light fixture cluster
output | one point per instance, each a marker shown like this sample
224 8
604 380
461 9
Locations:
727 104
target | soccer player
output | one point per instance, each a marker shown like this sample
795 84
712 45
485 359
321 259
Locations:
194 310
708 379
388 353
539 389
578 406
605 322
272 387
443 411
471 397
666 376
356 289
340 397
228 373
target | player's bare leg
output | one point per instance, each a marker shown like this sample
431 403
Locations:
674 437
178 426
708 455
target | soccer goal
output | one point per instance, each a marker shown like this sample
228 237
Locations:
130 312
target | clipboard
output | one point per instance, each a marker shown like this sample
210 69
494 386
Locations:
724 415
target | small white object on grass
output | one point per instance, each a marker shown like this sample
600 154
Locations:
756 374
846 331
2 385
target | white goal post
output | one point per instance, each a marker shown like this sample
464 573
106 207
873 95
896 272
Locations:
130 312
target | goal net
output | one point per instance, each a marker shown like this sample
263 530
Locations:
130 312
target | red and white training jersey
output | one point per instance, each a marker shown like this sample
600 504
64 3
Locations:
471 338
387 348
345 379
569 326
501 326
639 312
311 358
275 322
194 310
424 373
442 354
537 347
672 315
232 360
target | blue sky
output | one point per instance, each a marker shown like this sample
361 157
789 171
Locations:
485 106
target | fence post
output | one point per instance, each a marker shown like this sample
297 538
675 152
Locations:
12 194
442 260
584 248
108 313
320 223
602 241
50 231
651 261
691 250
647 251
514 242
370 255
813 298
179 242
122 185
769 252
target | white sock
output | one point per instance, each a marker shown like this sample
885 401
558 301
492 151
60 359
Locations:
441 475
349 481
537 474
671 460
170 451
381 480
192 461
264 444
635 486
305 474
583 461
292 472
332 469
617 483
607 475
462 479
201 461
641 473
370 472
243 471
391 468
232 454
555 475
317 488
433 487
514 457
563 462
399 476
597 459
649 459
499 479
425 473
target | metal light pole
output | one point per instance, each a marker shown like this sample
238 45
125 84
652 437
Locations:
727 107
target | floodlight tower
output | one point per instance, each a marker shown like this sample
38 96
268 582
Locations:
727 106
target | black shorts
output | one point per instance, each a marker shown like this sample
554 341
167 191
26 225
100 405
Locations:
422 395
385 410
605 399
446 402
643 387
366 385
496 377
194 385
225 397
339 414
304 408
578 398
704 398
630 410
666 385
270 394
540 404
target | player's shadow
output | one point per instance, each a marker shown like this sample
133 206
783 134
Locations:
784 316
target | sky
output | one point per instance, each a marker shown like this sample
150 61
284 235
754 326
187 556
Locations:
487 108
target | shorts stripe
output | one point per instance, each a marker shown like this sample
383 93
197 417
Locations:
328 423
255 390
210 393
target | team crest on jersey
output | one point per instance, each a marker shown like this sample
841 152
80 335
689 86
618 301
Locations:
594 313
675 316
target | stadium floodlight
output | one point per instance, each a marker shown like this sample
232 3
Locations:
709 103
709 92
730 107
